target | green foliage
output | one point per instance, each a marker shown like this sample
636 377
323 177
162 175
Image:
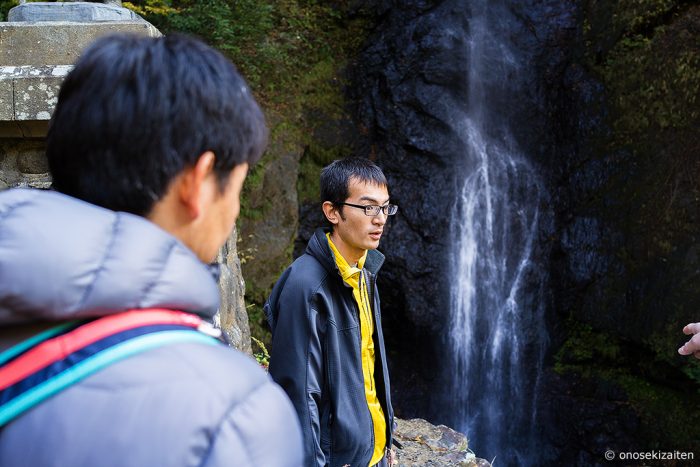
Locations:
656 86
259 330
275 43
251 206
586 347
604 23
637 14
649 59
5 7
262 357
157 11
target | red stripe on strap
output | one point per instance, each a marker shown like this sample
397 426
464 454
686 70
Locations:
60 347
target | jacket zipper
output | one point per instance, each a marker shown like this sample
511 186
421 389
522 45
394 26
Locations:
389 421
368 317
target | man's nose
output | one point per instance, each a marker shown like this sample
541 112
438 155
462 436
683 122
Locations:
380 219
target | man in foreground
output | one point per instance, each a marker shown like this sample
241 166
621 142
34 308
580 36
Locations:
107 279
327 341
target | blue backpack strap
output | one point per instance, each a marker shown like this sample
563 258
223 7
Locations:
67 370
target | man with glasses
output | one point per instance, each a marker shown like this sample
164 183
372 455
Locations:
327 342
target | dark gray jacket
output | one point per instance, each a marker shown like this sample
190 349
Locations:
177 405
316 356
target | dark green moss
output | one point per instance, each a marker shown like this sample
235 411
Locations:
252 207
648 56
585 346
314 159
663 408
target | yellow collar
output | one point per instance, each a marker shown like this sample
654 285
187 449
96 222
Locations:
346 271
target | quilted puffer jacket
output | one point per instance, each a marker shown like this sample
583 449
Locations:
177 405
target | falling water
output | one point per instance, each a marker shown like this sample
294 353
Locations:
497 334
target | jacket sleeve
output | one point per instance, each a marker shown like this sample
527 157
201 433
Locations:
261 430
296 363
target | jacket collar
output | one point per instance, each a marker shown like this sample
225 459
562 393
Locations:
318 248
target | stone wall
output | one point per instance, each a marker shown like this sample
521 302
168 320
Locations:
23 164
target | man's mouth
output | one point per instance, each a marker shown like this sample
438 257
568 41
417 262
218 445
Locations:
375 235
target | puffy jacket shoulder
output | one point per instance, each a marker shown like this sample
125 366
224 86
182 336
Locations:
185 405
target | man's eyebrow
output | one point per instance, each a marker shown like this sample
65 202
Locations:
372 200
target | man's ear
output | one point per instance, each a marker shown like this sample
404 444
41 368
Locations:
192 190
331 212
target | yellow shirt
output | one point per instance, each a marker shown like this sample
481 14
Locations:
351 276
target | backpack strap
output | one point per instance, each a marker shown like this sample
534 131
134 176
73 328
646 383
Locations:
54 360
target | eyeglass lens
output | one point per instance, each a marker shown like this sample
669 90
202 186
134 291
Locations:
388 210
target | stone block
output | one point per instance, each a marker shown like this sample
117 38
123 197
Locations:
27 129
36 97
33 128
10 129
70 11
23 164
33 91
58 43
33 163
7 106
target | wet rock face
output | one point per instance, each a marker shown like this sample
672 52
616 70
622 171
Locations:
411 88
627 196
606 107
409 85
591 419
628 184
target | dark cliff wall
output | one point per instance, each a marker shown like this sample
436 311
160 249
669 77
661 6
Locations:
411 91
406 82
610 117
626 253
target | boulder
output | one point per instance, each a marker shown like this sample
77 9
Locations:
424 444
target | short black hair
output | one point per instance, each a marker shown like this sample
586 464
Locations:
136 111
335 178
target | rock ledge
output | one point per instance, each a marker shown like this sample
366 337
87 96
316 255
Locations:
424 444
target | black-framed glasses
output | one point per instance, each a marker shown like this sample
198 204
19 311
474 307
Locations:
374 210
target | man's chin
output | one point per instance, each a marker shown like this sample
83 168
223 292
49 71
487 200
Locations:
372 245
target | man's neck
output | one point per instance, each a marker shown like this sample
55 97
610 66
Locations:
351 255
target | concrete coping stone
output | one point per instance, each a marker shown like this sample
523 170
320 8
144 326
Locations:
28 71
58 42
29 93
84 12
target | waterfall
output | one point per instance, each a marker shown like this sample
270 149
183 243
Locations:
497 334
